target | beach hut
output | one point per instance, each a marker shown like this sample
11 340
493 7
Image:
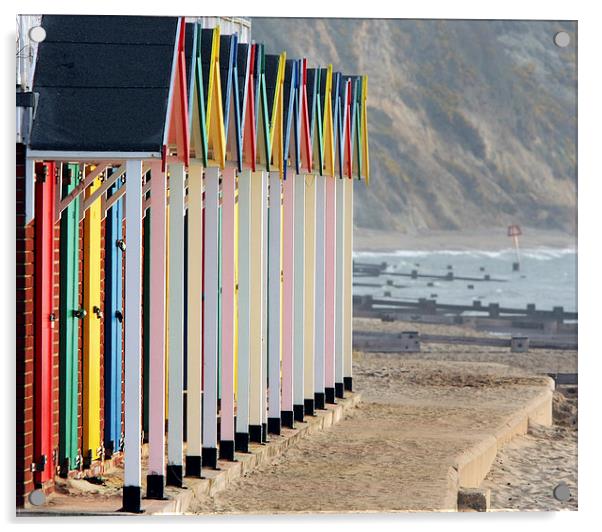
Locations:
97 85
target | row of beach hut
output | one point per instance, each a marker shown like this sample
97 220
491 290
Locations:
197 192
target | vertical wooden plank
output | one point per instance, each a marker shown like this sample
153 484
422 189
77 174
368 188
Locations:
43 321
274 340
244 311
299 297
175 446
256 305
133 347
310 310
339 289
113 330
210 318
155 480
92 325
348 287
319 302
69 324
264 308
146 310
227 330
288 301
329 289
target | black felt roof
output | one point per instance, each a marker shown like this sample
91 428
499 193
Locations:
103 83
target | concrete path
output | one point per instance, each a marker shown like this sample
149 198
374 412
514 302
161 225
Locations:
422 431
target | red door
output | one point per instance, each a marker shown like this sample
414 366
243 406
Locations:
44 320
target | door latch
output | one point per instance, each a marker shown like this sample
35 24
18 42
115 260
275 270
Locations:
80 313
121 244
99 313
119 316
52 319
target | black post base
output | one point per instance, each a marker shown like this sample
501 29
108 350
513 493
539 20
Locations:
64 468
339 391
329 394
174 475
210 457
348 383
298 412
274 425
319 400
309 407
132 499
241 442
193 466
155 485
288 419
255 433
264 433
226 450
109 449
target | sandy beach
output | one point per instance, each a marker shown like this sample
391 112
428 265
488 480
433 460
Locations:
363 463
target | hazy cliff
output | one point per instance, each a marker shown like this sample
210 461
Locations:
472 123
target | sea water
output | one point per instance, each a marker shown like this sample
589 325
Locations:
547 277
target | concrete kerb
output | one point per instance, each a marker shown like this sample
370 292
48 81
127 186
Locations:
472 466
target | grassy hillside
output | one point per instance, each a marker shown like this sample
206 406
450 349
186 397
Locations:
472 123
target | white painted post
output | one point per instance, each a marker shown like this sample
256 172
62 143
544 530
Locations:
310 277
339 290
348 288
320 300
133 347
194 416
241 436
299 295
227 332
264 327
210 317
274 300
155 480
288 300
256 381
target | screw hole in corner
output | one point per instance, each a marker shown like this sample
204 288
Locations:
562 39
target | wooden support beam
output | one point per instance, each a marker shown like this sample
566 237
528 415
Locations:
210 317
319 297
339 288
244 311
274 340
80 187
299 296
227 329
133 347
175 338
104 186
156 439
288 301
310 309
348 286
330 289
256 298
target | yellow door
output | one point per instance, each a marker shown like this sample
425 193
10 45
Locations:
92 327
